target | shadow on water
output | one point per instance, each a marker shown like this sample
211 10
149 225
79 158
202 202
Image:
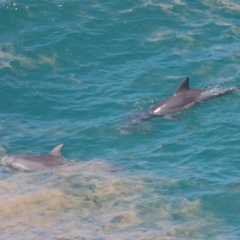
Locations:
142 123
136 123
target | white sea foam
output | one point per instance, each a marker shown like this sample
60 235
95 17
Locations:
89 199
228 4
6 58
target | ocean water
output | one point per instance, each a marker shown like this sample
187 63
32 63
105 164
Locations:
75 72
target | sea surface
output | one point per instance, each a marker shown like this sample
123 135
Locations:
76 72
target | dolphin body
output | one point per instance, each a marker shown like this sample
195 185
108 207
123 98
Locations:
36 163
185 97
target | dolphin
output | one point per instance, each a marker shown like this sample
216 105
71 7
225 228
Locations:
185 97
36 163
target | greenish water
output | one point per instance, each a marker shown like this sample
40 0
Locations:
74 72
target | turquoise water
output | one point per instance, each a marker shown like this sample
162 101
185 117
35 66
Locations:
74 72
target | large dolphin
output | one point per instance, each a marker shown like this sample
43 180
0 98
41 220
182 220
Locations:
36 163
185 97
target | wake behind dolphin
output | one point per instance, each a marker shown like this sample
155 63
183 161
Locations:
183 98
36 163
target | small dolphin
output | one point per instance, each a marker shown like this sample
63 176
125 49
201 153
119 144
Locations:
36 163
183 98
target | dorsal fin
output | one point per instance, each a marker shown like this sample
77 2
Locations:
57 151
184 86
